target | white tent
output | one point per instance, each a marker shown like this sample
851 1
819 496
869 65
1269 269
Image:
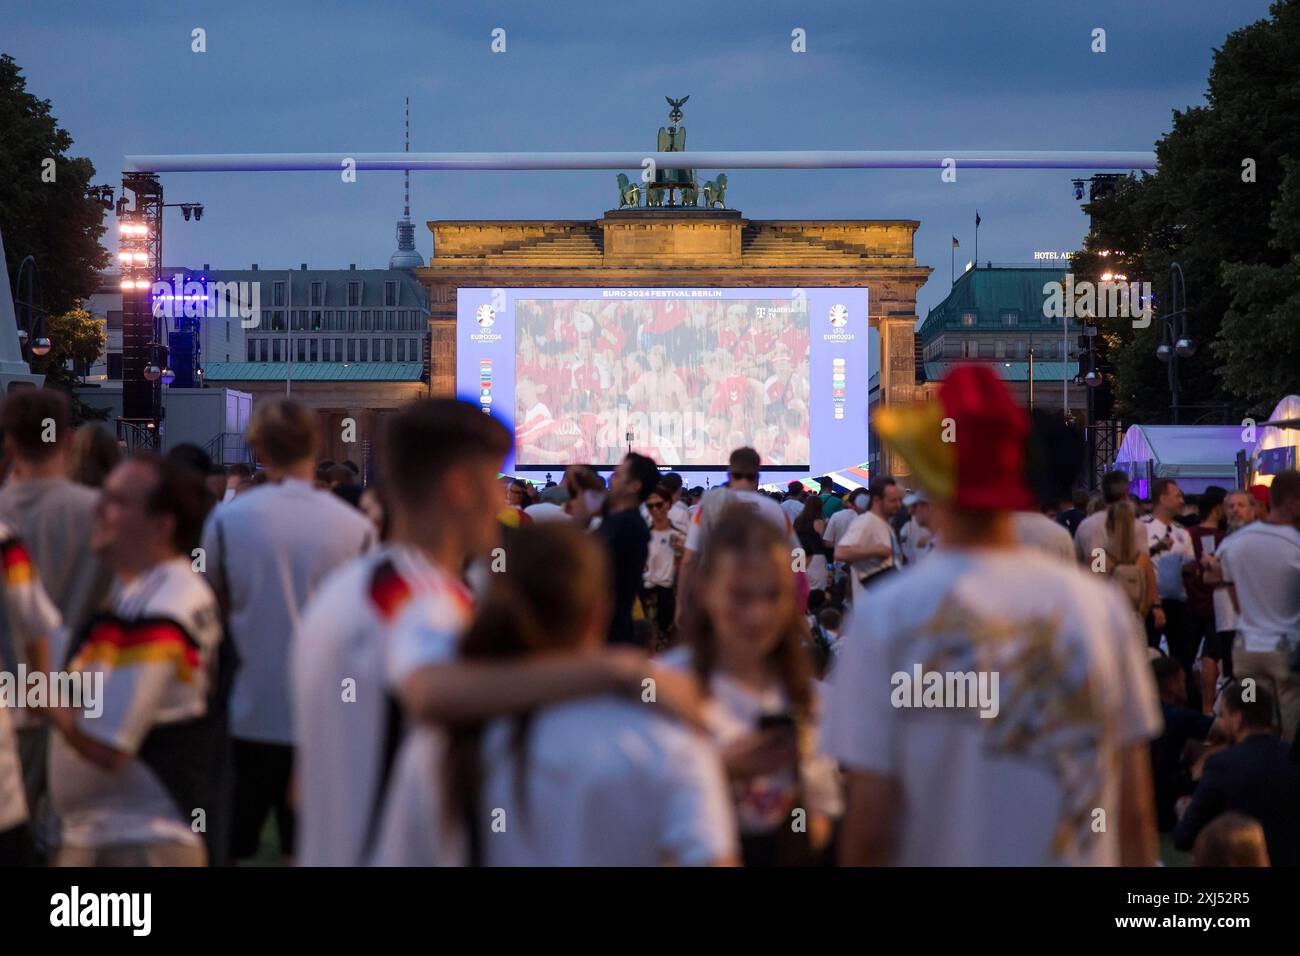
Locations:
1277 449
1197 456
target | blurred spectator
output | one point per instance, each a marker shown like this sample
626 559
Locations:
95 452
1254 776
1232 839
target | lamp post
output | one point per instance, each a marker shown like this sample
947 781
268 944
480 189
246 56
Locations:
1175 343
33 338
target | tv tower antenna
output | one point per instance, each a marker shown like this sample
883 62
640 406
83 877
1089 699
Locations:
406 257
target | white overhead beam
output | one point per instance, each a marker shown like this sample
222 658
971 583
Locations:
704 159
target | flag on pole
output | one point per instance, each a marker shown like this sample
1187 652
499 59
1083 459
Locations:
977 218
955 243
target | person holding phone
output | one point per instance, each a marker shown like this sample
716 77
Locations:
745 638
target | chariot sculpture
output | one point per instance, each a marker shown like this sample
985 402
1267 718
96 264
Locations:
670 184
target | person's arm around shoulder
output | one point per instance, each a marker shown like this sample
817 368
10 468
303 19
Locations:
454 691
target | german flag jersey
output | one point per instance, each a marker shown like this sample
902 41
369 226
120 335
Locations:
31 617
152 657
369 625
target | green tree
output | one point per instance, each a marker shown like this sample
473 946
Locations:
76 341
53 221
1201 210
1259 343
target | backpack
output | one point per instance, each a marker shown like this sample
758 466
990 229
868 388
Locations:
1131 579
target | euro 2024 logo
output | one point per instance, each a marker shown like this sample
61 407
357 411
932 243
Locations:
839 316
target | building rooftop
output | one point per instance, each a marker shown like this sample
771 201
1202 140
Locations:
988 292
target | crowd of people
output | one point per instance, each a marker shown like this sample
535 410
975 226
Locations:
447 666
694 379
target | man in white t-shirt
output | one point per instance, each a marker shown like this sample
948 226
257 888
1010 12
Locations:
1171 550
376 648
741 491
993 702
1261 562
858 502
266 553
917 538
1035 530
869 546
131 782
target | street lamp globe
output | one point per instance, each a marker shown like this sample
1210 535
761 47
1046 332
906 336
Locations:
1164 352
40 345
152 373
1185 347
1092 379
168 376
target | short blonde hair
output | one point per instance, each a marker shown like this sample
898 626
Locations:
282 432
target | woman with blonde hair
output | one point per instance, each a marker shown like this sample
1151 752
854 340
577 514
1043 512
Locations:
1127 561
746 639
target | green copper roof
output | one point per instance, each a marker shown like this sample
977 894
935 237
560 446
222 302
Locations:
313 371
989 292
